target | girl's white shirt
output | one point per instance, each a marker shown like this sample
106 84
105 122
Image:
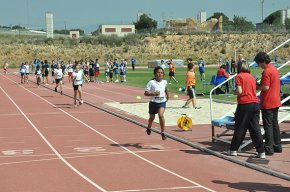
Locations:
58 73
78 77
153 86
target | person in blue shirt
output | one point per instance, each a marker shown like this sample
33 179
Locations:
201 69
116 70
133 62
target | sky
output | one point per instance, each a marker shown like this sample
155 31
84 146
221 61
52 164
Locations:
88 14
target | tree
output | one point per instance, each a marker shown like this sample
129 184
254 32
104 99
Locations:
241 24
145 22
273 18
287 24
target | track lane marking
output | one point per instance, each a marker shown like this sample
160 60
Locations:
50 145
113 141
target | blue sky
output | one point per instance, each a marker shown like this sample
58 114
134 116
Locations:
87 14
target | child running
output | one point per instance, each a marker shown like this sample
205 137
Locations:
157 90
38 74
190 85
5 67
77 78
58 73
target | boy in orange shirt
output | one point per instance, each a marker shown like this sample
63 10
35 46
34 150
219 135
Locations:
190 85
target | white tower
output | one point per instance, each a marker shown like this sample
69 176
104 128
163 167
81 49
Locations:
49 24
201 17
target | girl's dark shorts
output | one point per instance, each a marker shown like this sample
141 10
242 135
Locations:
76 87
154 107
191 92
57 80
171 74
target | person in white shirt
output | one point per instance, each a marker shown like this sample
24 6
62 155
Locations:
157 90
77 78
58 74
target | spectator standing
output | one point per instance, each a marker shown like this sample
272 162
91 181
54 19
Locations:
247 115
133 62
201 69
171 67
233 66
270 103
222 72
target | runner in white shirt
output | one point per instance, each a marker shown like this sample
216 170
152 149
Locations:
157 90
58 78
77 78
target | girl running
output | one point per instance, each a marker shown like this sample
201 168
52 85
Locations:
77 78
38 74
5 67
70 72
157 90
58 72
22 72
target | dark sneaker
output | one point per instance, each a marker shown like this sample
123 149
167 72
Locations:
61 92
148 131
55 89
197 108
163 136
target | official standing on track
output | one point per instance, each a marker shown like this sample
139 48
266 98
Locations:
247 114
270 103
157 90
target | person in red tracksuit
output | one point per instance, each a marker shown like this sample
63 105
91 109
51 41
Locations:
270 103
247 115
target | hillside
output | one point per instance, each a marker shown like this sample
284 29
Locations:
16 49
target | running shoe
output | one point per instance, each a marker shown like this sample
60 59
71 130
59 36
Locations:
55 89
232 153
261 155
81 102
61 92
148 131
163 136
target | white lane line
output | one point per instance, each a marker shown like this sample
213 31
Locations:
51 147
138 156
157 189
77 156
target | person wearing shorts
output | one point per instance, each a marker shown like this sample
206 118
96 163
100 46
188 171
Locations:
171 67
70 72
5 67
77 78
107 71
190 86
58 77
116 70
45 68
97 70
38 74
22 72
157 90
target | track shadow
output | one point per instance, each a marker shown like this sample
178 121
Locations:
257 160
194 152
46 96
254 187
135 145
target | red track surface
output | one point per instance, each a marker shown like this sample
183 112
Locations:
48 145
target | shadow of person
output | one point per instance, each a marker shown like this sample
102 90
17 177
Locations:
254 187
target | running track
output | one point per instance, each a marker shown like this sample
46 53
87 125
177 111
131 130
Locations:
48 145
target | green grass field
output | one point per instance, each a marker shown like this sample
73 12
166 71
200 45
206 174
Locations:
141 76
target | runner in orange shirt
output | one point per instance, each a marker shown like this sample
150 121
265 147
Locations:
190 85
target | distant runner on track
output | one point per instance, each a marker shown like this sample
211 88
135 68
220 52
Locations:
77 78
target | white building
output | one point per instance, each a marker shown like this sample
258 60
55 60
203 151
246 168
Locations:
74 34
201 16
285 14
49 24
119 30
